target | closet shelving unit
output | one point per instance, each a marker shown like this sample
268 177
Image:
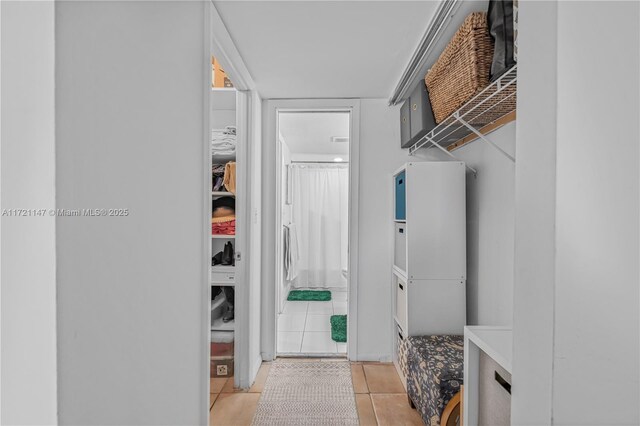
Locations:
223 113
429 253
483 113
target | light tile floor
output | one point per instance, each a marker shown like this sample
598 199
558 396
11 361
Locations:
380 397
305 328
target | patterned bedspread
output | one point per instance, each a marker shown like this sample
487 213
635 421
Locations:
435 368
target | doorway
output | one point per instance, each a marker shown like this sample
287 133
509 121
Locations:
312 270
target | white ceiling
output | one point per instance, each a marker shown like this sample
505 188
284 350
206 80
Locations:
310 132
326 49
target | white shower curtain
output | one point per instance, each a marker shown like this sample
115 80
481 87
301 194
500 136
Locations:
320 212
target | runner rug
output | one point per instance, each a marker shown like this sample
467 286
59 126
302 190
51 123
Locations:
299 392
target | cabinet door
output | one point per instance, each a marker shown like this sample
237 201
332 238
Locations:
405 124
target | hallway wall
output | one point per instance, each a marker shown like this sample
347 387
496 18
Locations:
380 156
490 226
576 316
28 253
130 85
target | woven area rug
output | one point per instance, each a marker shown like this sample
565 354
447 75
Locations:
307 393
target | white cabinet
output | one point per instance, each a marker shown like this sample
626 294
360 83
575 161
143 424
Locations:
431 199
429 261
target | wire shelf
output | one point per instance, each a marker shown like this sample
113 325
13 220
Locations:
494 102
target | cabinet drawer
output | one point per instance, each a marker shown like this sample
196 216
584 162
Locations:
401 301
400 247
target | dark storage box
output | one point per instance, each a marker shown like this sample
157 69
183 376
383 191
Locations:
417 112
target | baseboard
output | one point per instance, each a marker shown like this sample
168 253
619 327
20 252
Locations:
256 366
374 357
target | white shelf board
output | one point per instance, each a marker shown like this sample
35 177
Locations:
223 98
222 159
222 283
219 325
224 237
222 194
223 268
494 102
399 272
497 342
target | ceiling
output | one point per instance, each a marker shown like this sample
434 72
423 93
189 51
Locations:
311 132
326 49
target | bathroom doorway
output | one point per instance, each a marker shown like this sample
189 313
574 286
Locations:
312 271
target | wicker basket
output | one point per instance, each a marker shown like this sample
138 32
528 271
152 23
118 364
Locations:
463 68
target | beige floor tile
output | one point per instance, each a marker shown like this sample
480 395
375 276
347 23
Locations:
212 399
394 410
216 384
261 378
229 387
358 379
382 378
234 409
366 415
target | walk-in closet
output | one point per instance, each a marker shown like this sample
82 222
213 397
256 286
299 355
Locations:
223 222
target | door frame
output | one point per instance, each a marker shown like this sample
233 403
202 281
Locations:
271 206
218 41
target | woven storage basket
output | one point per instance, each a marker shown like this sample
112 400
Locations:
463 68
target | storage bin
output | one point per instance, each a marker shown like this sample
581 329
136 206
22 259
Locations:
494 393
400 247
401 302
422 120
401 345
222 274
463 68
405 124
401 196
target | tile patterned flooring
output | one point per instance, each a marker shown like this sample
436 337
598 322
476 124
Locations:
304 327
380 397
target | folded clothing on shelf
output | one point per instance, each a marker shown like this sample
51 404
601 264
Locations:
229 179
223 225
223 141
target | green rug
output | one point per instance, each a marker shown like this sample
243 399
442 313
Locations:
309 295
339 328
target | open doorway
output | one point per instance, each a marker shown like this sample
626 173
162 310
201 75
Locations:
312 273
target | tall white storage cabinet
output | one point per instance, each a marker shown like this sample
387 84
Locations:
429 262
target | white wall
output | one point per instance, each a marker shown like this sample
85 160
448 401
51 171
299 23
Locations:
576 299
596 339
130 86
380 156
28 255
490 226
535 214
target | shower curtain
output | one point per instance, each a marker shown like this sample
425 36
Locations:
320 197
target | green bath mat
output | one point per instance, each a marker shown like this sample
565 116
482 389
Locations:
339 328
309 295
